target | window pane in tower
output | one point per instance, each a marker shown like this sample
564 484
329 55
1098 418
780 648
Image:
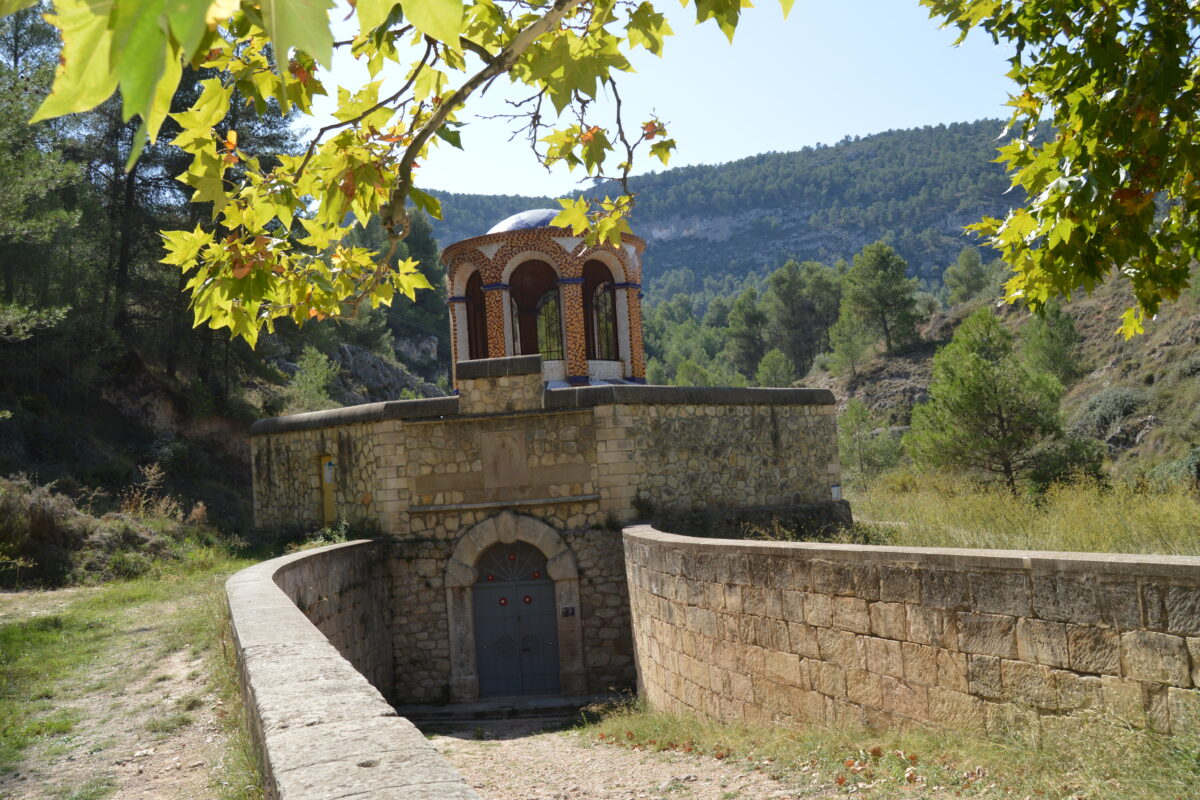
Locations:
549 326
604 323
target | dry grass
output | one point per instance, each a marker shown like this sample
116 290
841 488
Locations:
941 511
1088 761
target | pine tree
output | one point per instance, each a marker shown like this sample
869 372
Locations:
967 278
850 342
988 411
747 332
1050 343
879 293
775 369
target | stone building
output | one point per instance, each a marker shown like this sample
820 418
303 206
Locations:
503 504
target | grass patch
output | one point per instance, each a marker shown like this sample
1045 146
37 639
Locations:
45 661
169 723
94 789
941 511
1095 759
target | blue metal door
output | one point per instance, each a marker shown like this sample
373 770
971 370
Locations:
516 628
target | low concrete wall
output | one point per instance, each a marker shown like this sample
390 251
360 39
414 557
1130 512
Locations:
976 640
321 728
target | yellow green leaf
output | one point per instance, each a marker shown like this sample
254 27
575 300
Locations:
302 24
441 19
85 77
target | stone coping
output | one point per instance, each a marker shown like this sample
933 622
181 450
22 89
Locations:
498 367
367 412
320 728
555 399
636 394
1125 564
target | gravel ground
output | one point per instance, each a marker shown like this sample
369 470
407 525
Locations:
507 761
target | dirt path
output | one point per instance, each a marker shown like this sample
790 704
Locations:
147 716
510 761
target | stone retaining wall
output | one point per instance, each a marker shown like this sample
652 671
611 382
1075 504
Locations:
976 640
321 728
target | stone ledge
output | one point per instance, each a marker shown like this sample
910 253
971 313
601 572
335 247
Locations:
1121 564
367 412
586 396
498 367
320 728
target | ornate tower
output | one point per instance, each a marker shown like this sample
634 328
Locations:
526 288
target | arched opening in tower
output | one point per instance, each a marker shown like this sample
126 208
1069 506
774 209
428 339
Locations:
477 338
599 312
536 310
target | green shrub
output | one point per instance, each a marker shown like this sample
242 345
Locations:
1105 410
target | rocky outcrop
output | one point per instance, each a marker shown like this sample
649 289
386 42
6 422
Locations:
366 378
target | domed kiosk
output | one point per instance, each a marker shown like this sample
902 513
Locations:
526 287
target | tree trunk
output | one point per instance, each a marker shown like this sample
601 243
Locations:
121 320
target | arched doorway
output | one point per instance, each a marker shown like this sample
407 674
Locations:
516 639
484 550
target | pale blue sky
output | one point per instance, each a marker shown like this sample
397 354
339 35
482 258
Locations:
831 69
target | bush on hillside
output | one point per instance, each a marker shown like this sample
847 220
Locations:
47 540
1105 410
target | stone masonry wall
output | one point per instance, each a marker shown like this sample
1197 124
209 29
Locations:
344 593
320 728
583 461
287 482
975 640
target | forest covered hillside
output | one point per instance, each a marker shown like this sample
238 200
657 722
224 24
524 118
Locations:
915 189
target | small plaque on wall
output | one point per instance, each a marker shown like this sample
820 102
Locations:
568 611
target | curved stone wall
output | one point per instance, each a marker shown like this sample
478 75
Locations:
978 640
310 629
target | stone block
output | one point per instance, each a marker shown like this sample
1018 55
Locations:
850 614
1183 610
793 606
1156 657
1000 593
864 688
1124 698
1032 684
784 668
828 679
983 677
947 589
1119 605
1062 597
932 626
840 647
887 620
1091 649
802 640
884 657
920 663
1193 646
905 699
831 578
1184 709
899 584
952 670
818 609
987 634
1154 607
1078 691
1042 642
956 710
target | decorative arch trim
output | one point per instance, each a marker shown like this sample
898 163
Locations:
461 575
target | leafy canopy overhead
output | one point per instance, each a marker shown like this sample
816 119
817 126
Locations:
1114 188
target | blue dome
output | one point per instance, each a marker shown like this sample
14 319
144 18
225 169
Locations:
535 218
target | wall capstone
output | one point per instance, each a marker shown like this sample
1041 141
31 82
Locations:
321 729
